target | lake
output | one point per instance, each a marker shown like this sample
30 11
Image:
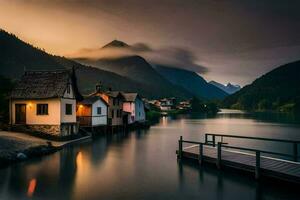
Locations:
142 164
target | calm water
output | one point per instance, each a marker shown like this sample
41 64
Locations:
142 164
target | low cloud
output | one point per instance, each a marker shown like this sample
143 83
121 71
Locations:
176 57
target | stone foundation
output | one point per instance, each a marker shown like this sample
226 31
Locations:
62 130
69 129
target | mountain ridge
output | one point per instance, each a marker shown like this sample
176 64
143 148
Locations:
191 81
229 88
276 90
17 55
137 68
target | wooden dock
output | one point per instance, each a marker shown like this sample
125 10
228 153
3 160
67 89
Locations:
232 157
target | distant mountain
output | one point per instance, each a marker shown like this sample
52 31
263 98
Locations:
191 81
116 44
136 68
169 81
276 90
17 56
229 88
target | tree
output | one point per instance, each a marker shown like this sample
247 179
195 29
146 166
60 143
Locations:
197 105
6 86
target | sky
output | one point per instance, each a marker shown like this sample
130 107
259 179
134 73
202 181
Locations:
223 40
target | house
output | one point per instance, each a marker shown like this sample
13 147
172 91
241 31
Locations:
167 104
184 105
134 106
114 99
92 112
45 102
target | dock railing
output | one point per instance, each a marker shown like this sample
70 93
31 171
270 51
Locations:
220 144
214 138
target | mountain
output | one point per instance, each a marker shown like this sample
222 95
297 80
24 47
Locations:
116 44
16 55
277 90
169 81
191 81
138 69
229 88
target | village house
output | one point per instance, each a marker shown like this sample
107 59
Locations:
184 105
167 104
114 99
45 102
134 106
92 112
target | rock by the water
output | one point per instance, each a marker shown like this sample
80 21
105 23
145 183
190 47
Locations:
21 156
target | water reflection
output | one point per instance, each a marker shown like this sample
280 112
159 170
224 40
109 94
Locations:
142 164
31 187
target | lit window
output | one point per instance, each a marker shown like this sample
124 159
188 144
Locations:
42 109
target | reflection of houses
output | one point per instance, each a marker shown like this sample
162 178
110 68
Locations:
134 106
114 99
45 102
92 111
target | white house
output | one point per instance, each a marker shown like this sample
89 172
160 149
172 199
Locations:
167 104
45 102
92 111
134 106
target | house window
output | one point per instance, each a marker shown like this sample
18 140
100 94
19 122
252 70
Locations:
119 113
68 89
99 110
42 109
112 114
68 109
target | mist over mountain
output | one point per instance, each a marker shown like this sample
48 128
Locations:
176 57
159 76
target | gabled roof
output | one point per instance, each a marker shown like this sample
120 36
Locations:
42 84
92 99
114 94
130 96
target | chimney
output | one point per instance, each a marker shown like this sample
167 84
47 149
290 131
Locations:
98 87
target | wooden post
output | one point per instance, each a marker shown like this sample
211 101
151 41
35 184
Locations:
180 148
295 151
219 156
206 140
200 158
214 140
257 166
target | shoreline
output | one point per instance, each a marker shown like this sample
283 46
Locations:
18 147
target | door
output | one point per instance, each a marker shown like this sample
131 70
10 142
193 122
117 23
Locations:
20 113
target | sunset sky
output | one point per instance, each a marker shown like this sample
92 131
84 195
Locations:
233 40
